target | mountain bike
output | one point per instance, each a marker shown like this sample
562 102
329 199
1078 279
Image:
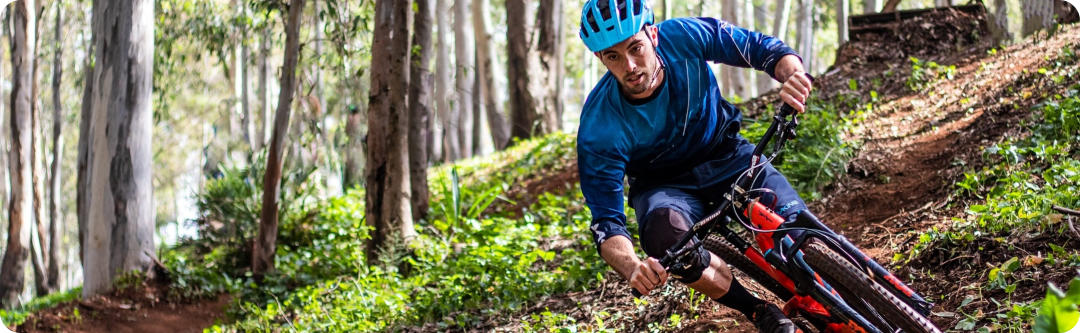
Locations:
821 275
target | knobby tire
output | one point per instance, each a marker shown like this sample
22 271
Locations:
719 246
838 271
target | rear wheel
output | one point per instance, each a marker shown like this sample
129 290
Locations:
719 246
860 291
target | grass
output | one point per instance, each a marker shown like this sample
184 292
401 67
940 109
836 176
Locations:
17 316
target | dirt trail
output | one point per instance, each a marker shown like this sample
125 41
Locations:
145 308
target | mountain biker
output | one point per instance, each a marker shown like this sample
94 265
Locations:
658 117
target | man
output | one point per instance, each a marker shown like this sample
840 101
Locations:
658 117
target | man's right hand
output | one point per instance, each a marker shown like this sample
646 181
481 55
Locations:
644 276
648 275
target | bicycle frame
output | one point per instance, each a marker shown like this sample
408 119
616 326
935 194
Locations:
777 252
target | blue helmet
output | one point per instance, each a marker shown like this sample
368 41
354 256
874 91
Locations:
605 23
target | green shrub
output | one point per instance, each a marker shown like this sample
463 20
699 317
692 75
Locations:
820 153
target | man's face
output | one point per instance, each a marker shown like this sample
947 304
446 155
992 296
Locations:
633 62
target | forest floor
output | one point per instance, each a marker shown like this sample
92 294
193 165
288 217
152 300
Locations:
915 145
143 307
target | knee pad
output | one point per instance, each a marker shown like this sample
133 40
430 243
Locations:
662 228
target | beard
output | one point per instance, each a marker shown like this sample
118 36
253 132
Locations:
636 83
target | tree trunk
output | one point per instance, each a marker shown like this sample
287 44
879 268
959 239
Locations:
1000 28
19 209
354 149
464 50
500 133
530 81
748 21
420 82
262 129
890 6
37 155
262 260
550 47
246 121
82 176
449 139
943 3
842 12
387 208
806 34
1038 15
764 81
730 75
37 175
120 228
780 23
869 6
55 218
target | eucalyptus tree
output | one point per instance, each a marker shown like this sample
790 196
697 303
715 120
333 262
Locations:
532 67
869 6
842 13
19 208
445 132
485 76
265 245
1038 14
387 207
119 216
464 51
55 217
806 34
420 108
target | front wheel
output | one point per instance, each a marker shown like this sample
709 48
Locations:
858 287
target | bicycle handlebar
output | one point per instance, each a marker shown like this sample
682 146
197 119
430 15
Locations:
778 122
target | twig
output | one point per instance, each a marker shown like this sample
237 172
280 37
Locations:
1064 210
955 258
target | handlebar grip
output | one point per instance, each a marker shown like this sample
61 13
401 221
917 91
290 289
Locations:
786 110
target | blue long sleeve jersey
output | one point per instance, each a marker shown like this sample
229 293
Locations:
687 123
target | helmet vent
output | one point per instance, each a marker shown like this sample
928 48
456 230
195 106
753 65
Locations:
637 7
605 10
592 22
622 10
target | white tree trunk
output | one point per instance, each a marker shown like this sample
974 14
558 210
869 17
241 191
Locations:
120 229
748 75
12 277
842 13
448 140
485 70
806 34
262 130
783 15
870 6
55 215
943 3
464 50
246 122
761 16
